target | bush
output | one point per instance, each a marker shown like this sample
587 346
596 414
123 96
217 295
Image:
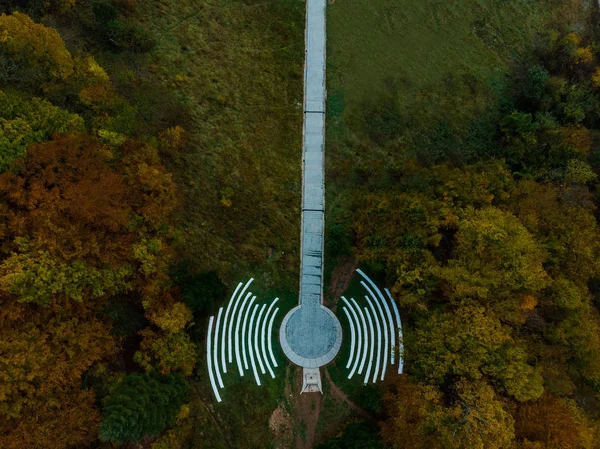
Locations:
199 291
118 34
338 240
356 435
536 82
383 120
127 318
142 405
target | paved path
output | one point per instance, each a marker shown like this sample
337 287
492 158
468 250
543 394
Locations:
311 335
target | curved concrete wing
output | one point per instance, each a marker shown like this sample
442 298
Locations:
263 343
264 336
250 349
400 339
365 336
216 349
379 334
238 322
209 359
256 340
386 342
270 333
223 341
352 338
233 318
359 332
244 335
389 314
372 346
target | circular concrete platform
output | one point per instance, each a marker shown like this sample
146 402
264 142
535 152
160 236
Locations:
310 335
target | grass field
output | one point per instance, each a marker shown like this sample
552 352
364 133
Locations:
438 60
236 66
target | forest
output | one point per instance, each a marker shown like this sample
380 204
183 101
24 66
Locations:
150 159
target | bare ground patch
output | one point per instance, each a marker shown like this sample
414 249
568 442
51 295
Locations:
281 425
307 409
341 277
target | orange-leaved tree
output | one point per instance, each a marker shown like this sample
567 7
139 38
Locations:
552 422
74 221
43 353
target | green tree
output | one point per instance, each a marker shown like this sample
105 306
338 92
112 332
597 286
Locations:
35 276
117 33
495 258
568 233
536 82
468 416
477 420
399 228
521 141
23 122
579 104
142 405
356 435
474 345
200 291
39 50
166 351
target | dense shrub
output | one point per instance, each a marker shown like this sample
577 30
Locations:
200 291
142 405
120 34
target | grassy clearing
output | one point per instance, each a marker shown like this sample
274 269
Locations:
242 419
236 69
438 60
230 72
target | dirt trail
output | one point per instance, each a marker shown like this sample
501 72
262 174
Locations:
305 412
307 409
281 425
340 279
340 394
302 419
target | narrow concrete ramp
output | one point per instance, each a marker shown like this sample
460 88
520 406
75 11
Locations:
311 334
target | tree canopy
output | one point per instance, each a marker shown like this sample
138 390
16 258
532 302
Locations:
85 210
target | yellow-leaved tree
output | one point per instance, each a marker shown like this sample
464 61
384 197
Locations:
469 416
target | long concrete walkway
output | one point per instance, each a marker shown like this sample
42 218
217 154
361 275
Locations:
313 172
311 334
